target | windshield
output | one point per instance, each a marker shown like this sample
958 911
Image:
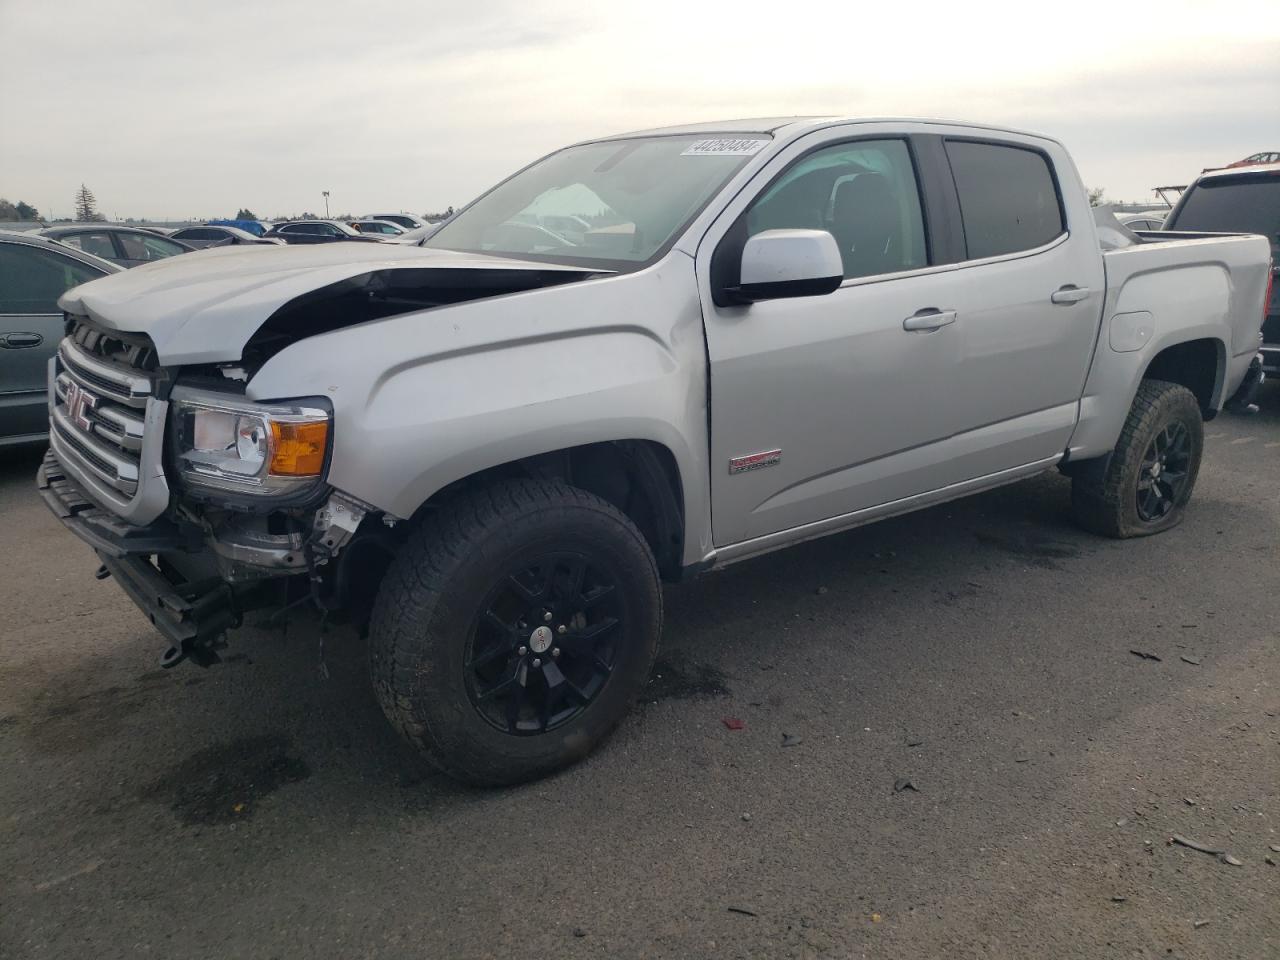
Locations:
617 204
1234 205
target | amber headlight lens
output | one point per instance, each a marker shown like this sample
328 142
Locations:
297 449
258 449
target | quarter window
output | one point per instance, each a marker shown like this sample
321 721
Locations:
864 193
1008 197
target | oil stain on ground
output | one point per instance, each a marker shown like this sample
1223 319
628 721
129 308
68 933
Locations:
671 680
223 783
1034 549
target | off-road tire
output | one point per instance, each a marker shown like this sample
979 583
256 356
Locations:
428 607
1105 500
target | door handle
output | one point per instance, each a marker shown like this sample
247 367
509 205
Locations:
930 318
17 341
1069 294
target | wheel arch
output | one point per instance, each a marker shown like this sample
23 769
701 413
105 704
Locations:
640 477
1198 364
1195 358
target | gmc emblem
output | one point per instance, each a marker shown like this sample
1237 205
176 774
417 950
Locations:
79 402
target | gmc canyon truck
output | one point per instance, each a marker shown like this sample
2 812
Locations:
492 449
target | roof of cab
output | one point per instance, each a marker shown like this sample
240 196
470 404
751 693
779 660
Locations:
751 125
774 125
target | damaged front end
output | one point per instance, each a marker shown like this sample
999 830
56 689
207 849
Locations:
201 504
195 573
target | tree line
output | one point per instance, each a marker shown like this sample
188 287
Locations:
17 211
86 207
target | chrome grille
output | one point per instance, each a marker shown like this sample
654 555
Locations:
107 424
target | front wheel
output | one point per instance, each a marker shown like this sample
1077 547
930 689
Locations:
515 628
1145 486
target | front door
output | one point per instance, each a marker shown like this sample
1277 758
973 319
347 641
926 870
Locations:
825 405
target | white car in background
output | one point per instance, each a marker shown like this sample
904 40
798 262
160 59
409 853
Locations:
381 228
1143 219
406 221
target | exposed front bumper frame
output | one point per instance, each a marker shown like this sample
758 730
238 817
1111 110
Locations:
102 529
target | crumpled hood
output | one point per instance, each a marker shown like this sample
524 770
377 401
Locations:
203 307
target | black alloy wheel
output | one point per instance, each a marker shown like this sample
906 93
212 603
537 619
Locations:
514 628
1144 486
545 644
1164 471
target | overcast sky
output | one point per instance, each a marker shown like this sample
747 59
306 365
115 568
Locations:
194 109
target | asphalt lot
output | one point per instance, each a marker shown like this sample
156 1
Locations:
257 809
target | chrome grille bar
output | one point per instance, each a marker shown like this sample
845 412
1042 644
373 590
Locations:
108 463
107 425
115 424
107 379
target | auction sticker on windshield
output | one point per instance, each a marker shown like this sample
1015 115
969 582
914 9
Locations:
724 147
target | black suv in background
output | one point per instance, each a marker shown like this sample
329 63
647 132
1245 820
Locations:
316 231
1240 200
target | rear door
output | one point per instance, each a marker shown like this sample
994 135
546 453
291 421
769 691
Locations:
1028 305
31 280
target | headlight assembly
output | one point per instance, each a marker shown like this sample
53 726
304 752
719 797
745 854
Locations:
250 448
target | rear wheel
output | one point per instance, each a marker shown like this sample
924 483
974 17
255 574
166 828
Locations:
1145 486
513 632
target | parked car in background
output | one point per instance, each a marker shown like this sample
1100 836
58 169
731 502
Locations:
255 227
381 228
208 236
127 246
1239 200
34 272
1272 156
406 220
418 236
495 446
1143 219
316 231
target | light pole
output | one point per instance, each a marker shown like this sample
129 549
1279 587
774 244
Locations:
326 203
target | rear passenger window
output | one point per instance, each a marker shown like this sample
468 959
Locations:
1008 198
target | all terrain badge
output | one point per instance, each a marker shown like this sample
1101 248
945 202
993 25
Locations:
755 461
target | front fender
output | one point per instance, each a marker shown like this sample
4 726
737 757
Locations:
425 399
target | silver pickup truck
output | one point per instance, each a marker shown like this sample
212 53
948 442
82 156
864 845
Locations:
637 359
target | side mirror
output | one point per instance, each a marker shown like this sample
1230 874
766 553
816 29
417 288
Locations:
789 263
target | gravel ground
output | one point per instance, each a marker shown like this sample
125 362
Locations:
981 650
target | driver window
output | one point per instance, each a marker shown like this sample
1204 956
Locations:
863 193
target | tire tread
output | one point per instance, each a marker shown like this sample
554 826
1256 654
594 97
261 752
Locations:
415 589
1099 498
